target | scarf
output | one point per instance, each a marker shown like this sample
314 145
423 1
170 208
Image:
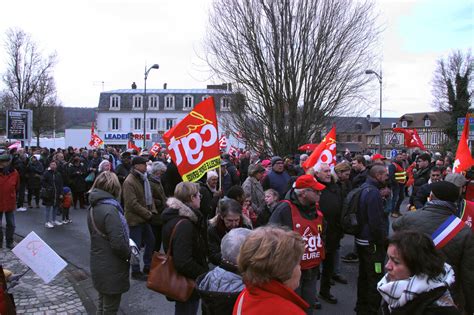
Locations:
147 188
400 292
116 204
443 204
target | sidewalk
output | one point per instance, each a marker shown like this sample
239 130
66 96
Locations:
33 296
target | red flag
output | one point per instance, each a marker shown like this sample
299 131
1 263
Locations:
193 143
463 159
412 139
223 142
95 141
155 149
233 151
325 152
131 144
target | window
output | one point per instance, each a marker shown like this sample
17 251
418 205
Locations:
225 104
188 101
153 123
348 138
153 102
359 138
377 139
205 97
394 125
169 102
404 124
115 102
434 138
114 124
427 123
137 102
169 123
137 123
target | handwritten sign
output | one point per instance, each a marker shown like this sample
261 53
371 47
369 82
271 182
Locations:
41 258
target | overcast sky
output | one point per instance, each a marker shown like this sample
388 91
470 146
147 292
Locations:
105 44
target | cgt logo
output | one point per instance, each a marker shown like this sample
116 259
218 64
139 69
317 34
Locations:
191 144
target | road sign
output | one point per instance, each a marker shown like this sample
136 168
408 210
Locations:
19 123
460 127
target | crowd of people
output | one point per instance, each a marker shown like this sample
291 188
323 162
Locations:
258 233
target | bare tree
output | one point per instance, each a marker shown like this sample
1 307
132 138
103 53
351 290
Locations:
295 63
453 88
26 67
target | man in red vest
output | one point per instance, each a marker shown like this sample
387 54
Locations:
300 212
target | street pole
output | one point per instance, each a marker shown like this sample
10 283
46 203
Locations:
379 77
145 103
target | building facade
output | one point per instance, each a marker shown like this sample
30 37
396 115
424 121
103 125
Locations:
121 112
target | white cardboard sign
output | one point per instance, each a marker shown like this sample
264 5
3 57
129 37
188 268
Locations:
41 258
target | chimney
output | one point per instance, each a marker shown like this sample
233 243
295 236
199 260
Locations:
368 116
229 87
134 86
165 85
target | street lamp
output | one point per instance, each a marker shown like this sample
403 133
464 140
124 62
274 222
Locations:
145 103
379 77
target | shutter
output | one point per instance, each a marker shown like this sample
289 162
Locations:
119 123
109 124
132 125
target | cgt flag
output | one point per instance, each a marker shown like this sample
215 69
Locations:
223 142
155 149
325 152
463 159
412 139
193 143
95 141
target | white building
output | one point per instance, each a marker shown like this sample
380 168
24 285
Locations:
120 112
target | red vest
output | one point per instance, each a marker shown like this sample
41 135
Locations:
311 232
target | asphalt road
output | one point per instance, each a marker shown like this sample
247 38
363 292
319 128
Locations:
72 243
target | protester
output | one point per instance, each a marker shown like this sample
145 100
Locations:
300 212
209 194
9 184
271 201
228 217
277 178
139 209
52 194
104 166
371 240
156 170
125 166
398 177
269 261
189 242
417 279
456 244
423 193
34 172
66 204
422 174
77 174
359 168
253 188
299 168
110 250
220 287
20 163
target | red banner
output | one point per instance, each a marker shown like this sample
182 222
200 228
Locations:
193 143
463 159
223 142
325 152
155 149
95 141
412 139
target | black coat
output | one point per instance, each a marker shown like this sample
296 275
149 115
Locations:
189 247
77 177
52 185
34 172
330 205
122 172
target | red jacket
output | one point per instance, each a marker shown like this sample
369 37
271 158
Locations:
271 298
8 186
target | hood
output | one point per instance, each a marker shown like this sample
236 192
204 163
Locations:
178 209
96 195
222 281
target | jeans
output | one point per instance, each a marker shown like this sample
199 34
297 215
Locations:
137 234
10 228
307 288
50 214
108 304
190 307
371 264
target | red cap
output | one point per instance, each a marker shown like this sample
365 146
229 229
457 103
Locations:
378 156
308 181
266 163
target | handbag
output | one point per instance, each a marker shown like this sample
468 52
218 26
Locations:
163 277
90 178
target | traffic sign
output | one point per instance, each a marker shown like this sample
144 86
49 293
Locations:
460 127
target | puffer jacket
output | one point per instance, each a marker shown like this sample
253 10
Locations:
9 183
219 289
459 251
109 257
133 195
254 189
189 247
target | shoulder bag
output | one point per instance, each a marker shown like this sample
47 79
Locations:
163 277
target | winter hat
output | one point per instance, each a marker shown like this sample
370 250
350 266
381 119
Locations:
457 179
66 190
255 168
446 191
276 159
266 163
139 160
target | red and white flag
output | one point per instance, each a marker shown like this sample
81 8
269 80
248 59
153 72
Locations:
132 146
223 142
15 145
463 159
155 149
233 151
325 152
95 141
412 139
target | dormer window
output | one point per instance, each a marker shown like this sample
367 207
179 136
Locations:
205 97
225 104
404 124
188 102
169 102
427 123
153 102
115 102
394 125
137 101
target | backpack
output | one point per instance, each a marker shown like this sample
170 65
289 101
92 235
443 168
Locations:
349 220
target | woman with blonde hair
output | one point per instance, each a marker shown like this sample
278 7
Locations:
189 245
269 261
110 250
